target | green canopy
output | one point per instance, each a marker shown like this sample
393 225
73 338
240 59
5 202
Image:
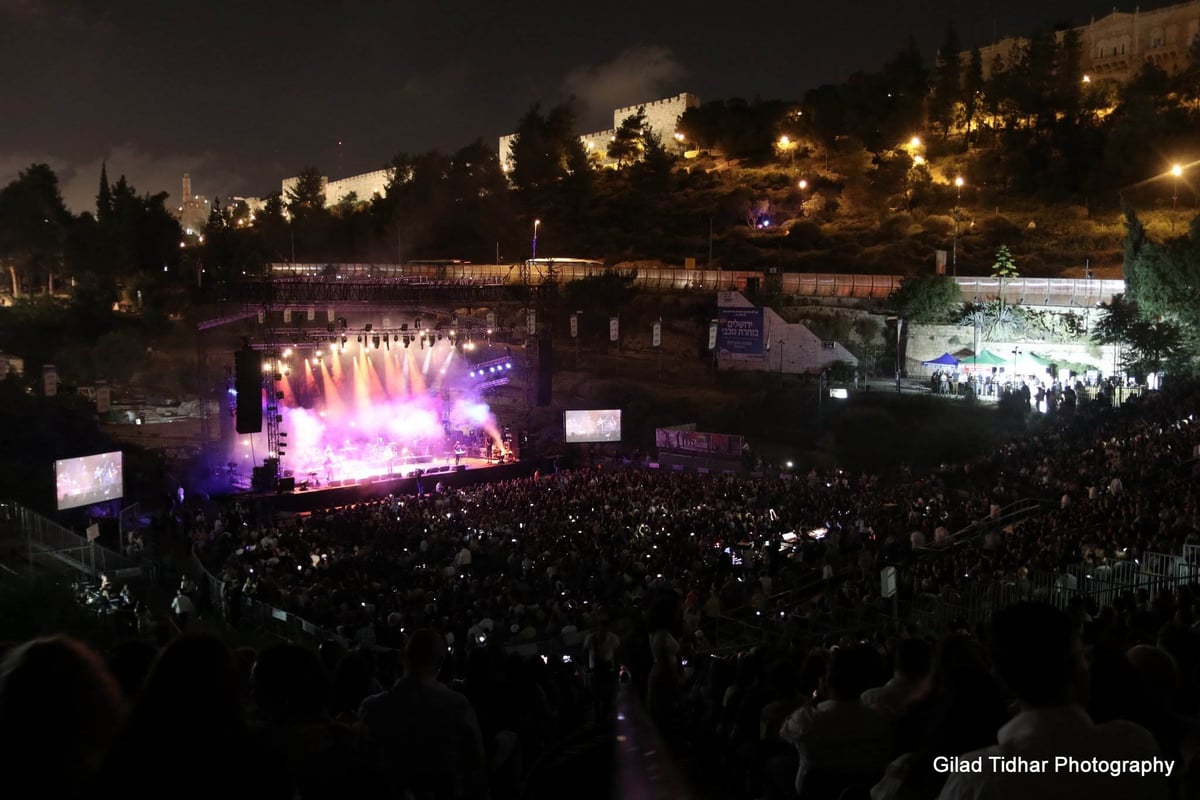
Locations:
987 358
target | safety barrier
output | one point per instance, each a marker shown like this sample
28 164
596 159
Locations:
1079 293
45 537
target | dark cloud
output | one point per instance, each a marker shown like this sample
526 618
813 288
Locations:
634 75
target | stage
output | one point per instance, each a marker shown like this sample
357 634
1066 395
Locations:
342 492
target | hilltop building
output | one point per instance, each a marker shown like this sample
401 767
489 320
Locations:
1116 46
193 209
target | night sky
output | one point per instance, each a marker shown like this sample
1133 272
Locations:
242 94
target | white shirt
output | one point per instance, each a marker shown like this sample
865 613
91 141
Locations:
182 604
844 738
1065 731
893 697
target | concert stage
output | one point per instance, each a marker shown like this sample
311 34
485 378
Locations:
342 492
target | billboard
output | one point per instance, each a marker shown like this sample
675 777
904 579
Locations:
713 444
740 332
87 480
580 427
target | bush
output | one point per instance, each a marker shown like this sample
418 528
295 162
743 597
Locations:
996 229
940 224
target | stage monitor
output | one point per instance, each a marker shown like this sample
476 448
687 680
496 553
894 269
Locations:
582 427
87 480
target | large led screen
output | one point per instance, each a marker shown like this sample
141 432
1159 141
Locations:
87 480
592 426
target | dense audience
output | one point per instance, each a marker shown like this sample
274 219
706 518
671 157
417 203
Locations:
478 628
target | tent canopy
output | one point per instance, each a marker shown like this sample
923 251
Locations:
944 360
987 358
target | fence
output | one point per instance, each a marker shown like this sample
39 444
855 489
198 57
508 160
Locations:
263 616
45 537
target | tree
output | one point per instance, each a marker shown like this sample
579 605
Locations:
947 83
1005 266
1143 346
104 196
926 298
972 94
33 227
629 141
307 194
546 148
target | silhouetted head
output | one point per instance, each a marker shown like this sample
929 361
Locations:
290 683
1037 654
424 653
913 658
852 670
59 710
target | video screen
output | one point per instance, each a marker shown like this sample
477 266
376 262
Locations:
87 480
582 427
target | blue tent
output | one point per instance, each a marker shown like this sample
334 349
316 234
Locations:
944 360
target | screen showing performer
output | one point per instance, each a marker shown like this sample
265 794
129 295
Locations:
87 480
592 426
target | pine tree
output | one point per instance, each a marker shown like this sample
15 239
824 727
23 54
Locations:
972 91
104 201
947 83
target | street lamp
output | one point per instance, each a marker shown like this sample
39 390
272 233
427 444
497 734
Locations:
786 145
536 223
1176 171
958 184
1016 353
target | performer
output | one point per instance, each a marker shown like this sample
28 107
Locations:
458 453
328 467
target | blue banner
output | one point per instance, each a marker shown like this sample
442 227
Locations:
740 332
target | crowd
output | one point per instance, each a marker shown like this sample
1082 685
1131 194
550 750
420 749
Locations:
632 570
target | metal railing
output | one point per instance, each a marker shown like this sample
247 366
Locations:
45 537
262 615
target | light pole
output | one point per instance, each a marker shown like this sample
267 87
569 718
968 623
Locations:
536 223
575 336
958 184
1016 353
1176 171
780 362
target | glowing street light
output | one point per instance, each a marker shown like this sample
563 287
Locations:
1176 171
803 184
536 224
914 142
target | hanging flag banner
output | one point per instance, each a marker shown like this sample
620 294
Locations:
387 322
656 335
312 313
287 316
531 322
103 397
329 315
50 380
740 332
262 317
712 336
574 326
491 319
614 328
